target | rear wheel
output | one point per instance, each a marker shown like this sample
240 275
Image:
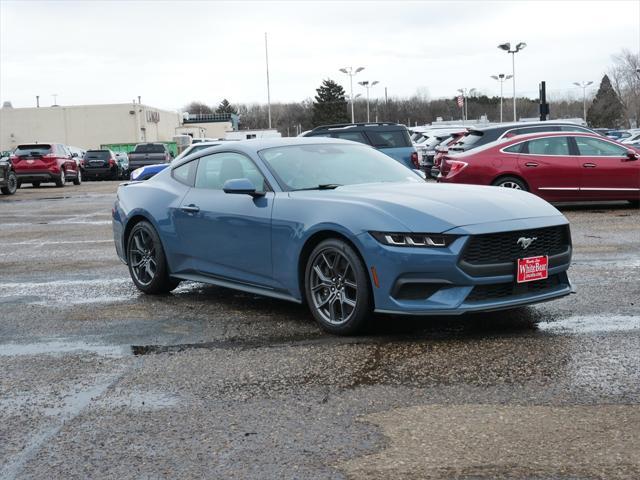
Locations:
61 180
511 182
78 179
12 184
337 288
147 261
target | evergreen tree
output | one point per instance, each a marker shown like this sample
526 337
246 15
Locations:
226 107
330 105
607 110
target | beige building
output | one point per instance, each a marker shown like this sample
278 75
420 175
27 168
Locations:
87 126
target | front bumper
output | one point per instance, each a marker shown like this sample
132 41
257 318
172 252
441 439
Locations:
438 286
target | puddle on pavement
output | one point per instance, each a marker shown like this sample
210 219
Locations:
58 347
592 324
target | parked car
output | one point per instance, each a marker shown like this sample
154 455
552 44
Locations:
101 164
436 138
341 227
441 151
476 137
77 154
557 166
38 163
8 178
149 154
145 173
390 138
123 163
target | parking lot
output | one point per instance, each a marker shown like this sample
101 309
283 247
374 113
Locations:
98 380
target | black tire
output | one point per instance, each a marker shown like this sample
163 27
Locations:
12 184
62 179
511 182
147 261
339 295
19 184
35 184
78 179
634 203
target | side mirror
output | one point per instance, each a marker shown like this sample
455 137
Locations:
420 173
242 186
632 155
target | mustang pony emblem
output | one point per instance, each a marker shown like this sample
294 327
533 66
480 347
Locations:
524 242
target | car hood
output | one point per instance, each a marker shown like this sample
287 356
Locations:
445 206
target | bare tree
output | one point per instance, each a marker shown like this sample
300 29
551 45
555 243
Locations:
625 79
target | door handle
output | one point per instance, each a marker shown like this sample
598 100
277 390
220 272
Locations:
190 208
589 165
531 164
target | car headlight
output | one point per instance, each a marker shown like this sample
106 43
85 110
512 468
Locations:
430 240
136 173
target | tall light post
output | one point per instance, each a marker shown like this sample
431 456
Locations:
507 48
368 85
584 86
352 72
501 77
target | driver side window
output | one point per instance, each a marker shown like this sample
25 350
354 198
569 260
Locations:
214 170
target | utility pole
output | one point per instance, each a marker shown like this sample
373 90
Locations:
37 101
507 48
584 86
266 54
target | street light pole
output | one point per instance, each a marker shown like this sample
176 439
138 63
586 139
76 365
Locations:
507 48
584 86
367 85
501 77
351 72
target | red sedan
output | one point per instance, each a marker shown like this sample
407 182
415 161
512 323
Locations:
560 166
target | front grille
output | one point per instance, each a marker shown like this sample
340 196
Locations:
505 290
503 247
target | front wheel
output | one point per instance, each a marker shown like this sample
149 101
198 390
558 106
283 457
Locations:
78 179
12 184
147 261
337 288
511 182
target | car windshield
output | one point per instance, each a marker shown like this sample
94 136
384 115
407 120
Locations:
300 167
36 149
97 155
150 148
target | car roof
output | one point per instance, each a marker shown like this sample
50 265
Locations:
507 126
255 145
357 126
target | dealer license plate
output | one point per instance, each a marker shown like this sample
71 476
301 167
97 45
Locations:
533 268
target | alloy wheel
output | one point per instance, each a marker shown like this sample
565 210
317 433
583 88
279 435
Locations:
510 185
142 257
333 286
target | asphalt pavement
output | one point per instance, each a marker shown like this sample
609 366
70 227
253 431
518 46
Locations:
100 381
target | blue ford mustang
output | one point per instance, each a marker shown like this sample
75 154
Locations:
341 227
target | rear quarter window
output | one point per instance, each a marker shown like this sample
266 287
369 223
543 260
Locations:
389 139
353 136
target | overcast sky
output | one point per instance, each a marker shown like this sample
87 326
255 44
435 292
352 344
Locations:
173 52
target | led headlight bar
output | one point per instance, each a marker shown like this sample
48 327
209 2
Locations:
431 240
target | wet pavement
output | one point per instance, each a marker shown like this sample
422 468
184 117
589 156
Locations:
100 381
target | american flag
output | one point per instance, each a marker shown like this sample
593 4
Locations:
460 101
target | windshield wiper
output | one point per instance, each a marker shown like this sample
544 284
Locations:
323 186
